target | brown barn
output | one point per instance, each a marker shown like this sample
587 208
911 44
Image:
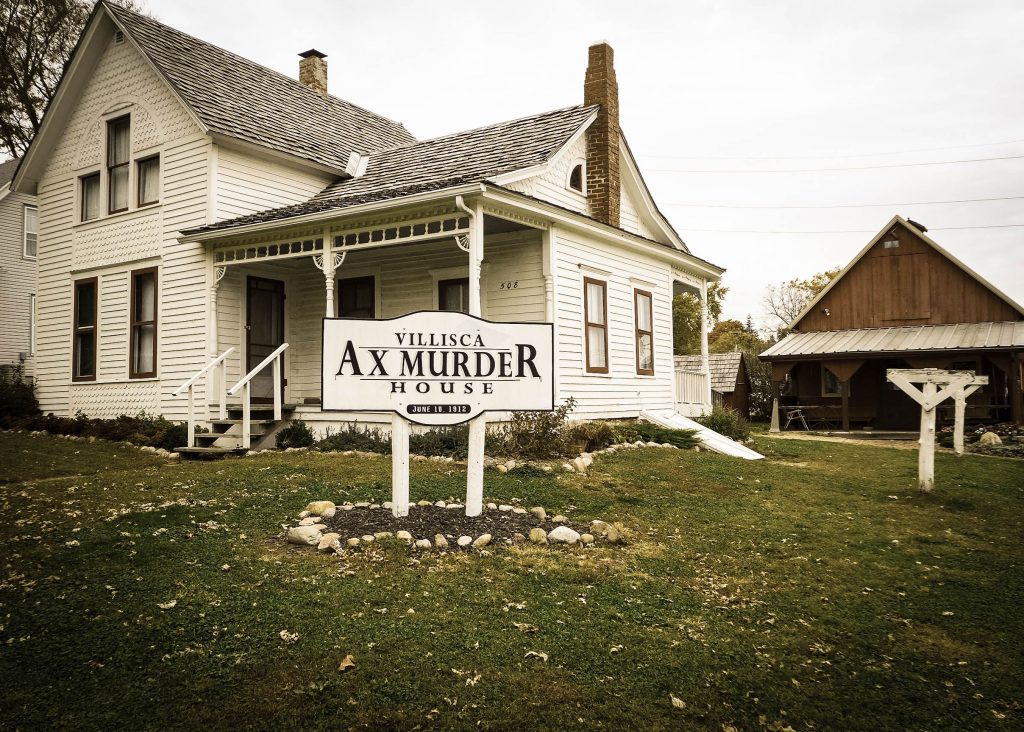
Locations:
903 302
730 383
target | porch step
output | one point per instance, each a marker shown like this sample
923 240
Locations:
209 453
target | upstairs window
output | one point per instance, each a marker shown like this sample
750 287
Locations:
83 362
148 174
118 136
595 311
453 295
143 324
357 297
576 178
90 187
643 317
31 240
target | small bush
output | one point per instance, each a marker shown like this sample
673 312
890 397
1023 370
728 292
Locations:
535 434
588 436
726 422
295 434
633 431
355 437
17 396
139 430
447 441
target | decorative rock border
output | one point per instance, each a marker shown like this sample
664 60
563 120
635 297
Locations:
312 531
93 438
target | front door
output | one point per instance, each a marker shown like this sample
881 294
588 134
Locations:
264 326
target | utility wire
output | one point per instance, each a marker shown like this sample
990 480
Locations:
825 170
850 205
845 231
834 157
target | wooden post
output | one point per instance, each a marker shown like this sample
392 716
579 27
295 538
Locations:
959 416
399 466
191 419
926 453
1016 404
844 388
477 425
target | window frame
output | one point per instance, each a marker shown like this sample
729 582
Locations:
139 203
127 164
133 323
442 283
356 278
25 232
82 179
93 329
582 165
637 332
587 281
824 381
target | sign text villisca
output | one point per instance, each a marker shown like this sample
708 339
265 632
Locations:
436 367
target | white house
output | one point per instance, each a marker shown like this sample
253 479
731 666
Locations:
19 232
199 210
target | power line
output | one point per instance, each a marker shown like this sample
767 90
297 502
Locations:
845 231
825 170
849 205
834 157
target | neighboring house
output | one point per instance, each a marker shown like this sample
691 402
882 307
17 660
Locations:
19 239
192 202
730 382
903 302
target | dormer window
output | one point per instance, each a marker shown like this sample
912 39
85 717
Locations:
576 178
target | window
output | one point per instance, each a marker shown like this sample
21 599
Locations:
117 164
149 180
357 297
595 309
90 185
830 385
31 241
643 319
84 346
453 295
142 362
576 178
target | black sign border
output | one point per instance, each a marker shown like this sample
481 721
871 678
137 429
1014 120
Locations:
323 331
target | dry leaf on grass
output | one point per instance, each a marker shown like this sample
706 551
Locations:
677 702
346 664
537 654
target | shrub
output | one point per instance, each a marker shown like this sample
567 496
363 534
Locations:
355 437
633 431
588 436
535 434
726 422
17 396
139 430
447 441
295 434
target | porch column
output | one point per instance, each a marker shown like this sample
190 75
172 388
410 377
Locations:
217 375
478 425
1016 407
328 263
705 362
844 389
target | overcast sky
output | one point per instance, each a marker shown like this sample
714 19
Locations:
719 86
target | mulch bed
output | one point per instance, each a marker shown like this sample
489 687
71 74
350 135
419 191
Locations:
423 522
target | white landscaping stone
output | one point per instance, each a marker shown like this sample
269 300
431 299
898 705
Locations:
465 540
519 510
504 507
318 507
538 535
303 514
539 512
567 467
441 504
423 544
482 541
579 465
354 541
329 542
404 536
613 535
559 519
440 541
501 468
309 521
329 513
599 527
381 535
304 535
492 506
563 535
367 538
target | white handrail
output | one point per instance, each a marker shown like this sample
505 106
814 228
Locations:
262 365
188 385
201 372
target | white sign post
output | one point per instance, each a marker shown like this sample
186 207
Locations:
435 368
954 384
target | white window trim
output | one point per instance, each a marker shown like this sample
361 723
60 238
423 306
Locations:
583 178
345 274
24 231
592 273
451 273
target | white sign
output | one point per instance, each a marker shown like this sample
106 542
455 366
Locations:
436 368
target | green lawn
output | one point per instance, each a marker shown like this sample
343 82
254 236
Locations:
814 590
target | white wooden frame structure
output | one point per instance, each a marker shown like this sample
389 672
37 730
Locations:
956 384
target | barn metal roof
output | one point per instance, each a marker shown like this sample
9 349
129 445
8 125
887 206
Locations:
906 338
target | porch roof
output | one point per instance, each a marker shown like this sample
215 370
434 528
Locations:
1005 335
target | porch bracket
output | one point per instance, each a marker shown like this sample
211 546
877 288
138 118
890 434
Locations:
462 242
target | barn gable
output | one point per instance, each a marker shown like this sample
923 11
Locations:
900 278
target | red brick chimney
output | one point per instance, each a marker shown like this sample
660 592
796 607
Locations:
600 87
313 71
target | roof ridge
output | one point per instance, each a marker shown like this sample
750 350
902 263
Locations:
114 7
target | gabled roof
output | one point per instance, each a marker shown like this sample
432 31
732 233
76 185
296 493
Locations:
899 220
724 368
900 339
238 98
7 169
473 156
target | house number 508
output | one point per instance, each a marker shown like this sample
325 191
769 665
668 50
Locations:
509 285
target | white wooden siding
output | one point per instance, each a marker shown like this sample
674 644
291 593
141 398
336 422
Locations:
246 184
553 184
17 281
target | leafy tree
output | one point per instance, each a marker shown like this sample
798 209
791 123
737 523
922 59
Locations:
38 38
732 335
686 318
785 301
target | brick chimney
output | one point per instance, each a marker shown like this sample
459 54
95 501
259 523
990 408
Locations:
313 71
600 87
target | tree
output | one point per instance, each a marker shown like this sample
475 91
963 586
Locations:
38 38
785 301
732 335
686 318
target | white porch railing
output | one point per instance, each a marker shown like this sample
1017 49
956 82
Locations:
244 383
691 387
220 361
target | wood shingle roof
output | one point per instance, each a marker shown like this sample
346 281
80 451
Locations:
724 368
